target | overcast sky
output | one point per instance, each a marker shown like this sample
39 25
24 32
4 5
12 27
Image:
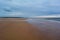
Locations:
27 8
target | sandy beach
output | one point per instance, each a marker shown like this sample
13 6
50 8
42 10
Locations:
23 30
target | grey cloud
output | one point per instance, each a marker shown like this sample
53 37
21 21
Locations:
30 7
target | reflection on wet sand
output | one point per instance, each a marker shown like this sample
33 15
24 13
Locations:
51 29
29 30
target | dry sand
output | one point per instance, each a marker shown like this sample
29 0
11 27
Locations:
21 30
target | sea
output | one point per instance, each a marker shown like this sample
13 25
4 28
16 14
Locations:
55 19
51 19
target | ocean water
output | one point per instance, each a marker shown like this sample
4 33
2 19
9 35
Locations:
55 19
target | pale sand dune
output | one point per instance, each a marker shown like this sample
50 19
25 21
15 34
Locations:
23 30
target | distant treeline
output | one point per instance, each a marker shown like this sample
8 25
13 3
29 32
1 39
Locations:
11 17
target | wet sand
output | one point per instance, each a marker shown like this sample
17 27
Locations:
23 30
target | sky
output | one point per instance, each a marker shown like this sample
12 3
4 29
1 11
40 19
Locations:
28 8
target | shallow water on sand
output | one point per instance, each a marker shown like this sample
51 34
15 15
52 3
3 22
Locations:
46 25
